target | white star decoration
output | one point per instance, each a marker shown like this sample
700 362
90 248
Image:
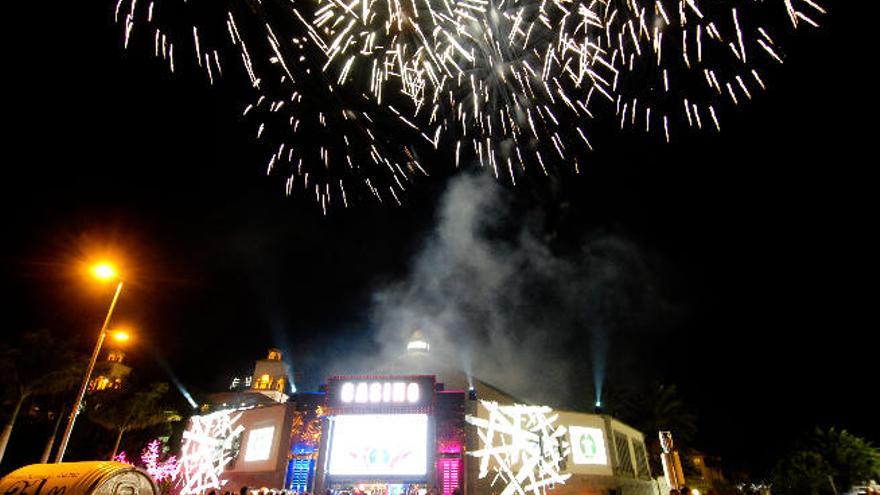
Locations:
523 446
207 449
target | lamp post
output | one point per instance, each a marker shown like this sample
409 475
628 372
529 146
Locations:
102 271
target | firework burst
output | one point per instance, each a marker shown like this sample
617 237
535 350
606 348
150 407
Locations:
322 141
344 89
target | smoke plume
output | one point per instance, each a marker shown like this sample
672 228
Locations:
487 288
488 291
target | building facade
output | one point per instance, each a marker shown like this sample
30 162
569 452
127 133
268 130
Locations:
405 434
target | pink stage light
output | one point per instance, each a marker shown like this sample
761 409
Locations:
449 447
450 473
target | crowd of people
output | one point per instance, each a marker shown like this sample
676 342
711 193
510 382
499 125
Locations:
410 490
262 491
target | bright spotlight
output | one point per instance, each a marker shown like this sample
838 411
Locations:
120 336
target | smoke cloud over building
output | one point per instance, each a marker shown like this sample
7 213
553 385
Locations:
492 298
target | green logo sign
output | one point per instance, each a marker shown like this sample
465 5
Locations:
588 445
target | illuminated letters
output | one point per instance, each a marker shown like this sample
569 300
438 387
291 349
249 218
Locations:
399 392
412 392
361 395
346 393
375 392
379 392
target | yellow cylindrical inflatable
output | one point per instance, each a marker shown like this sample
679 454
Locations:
78 478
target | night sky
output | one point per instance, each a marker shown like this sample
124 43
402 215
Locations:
761 231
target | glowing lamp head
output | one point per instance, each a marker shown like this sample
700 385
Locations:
120 336
104 271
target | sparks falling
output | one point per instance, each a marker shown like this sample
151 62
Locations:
345 91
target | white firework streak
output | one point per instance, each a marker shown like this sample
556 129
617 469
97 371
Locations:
344 88
486 67
526 445
207 449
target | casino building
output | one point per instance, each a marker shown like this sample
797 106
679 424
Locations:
413 426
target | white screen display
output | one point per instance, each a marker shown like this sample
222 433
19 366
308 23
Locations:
587 445
379 445
259 444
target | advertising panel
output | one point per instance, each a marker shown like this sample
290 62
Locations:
259 444
587 445
376 445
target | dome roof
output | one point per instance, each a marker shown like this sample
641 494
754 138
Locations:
418 343
447 367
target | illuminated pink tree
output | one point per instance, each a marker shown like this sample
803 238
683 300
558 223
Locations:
160 470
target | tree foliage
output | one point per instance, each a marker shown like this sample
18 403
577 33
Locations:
135 409
825 457
37 365
659 408
804 472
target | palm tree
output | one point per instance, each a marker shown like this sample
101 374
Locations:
660 409
50 442
135 410
39 365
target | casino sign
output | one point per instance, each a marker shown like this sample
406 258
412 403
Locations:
369 393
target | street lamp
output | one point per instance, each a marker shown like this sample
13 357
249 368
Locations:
106 272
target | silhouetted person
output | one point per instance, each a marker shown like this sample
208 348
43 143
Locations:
212 492
243 490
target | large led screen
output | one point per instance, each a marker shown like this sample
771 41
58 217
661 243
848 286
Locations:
379 445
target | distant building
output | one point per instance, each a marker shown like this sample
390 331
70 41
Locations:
270 376
267 385
415 423
704 471
111 373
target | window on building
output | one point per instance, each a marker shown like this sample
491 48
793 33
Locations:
642 469
624 458
264 383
